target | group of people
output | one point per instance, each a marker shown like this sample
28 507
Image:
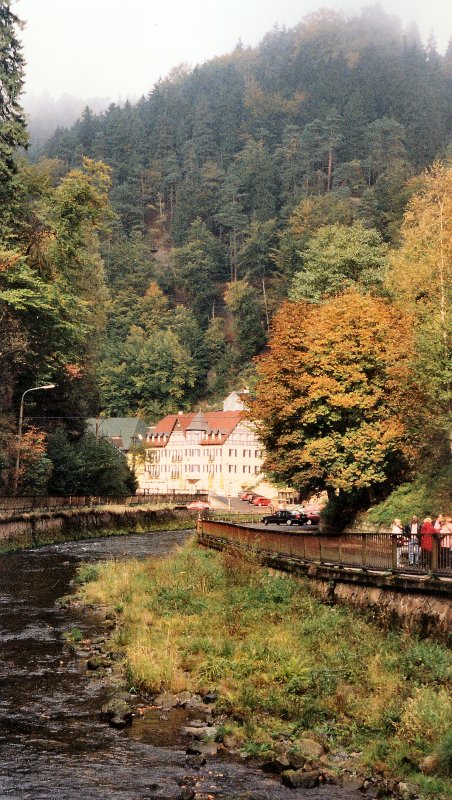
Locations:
415 539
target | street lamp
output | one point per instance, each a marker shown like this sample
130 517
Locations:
19 432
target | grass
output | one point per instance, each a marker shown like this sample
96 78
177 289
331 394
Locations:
281 662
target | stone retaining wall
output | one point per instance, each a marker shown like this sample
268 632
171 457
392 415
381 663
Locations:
35 529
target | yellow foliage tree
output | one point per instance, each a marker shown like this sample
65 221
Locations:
331 405
420 279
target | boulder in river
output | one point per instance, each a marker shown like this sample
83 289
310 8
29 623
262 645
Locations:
297 779
118 712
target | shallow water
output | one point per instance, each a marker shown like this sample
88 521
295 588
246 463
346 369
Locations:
53 745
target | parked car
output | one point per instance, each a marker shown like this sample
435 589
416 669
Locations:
262 501
198 504
252 496
284 517
313 518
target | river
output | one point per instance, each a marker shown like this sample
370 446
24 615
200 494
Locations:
53 745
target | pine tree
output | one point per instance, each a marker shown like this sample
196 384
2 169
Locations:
13 132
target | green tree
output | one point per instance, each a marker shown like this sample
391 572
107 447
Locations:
153 377
199 269
338 257
88 466
13 132
246 312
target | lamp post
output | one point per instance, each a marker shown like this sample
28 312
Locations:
19 431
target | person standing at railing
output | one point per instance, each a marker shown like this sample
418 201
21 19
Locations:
427 532
438 523
412 531
446 543
398 529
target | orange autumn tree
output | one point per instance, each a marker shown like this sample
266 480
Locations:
331 403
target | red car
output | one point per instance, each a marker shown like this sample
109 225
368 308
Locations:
261 501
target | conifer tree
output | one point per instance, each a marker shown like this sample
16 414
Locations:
13 132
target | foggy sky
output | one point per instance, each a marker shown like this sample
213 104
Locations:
120 48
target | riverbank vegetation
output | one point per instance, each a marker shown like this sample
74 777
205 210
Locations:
281 662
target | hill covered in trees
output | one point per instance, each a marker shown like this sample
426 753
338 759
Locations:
223 173
146 252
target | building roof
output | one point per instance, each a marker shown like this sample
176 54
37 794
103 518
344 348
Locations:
215 426
121 431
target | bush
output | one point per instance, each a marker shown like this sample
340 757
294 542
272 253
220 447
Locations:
426 717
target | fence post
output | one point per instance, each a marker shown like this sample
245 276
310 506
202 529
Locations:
364 550
394 551
435 552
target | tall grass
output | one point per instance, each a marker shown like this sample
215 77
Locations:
281 662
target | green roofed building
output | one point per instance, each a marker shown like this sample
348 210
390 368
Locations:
123 432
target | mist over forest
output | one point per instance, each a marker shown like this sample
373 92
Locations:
45 115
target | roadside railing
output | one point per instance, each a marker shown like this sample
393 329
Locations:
18 505
371 551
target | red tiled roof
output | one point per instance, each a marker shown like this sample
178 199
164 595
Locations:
219 422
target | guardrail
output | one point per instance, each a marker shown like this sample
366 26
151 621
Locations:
43 503
372 551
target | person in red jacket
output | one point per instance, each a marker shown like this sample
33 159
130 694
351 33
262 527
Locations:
427 531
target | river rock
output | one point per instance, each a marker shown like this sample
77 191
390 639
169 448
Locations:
117 712
297 779
310 748
407 791
353 782
202 749
296 760
331 777
201 732
210 697
277 765
166 700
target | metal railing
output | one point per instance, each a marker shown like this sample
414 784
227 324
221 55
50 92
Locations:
371 551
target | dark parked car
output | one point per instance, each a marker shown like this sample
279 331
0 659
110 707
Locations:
284 518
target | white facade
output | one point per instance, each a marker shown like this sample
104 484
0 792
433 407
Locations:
212 451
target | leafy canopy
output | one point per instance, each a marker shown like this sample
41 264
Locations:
339 257
331 401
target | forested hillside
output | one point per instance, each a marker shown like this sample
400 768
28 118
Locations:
145 254
222 177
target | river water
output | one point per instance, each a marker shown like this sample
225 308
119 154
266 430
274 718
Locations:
53 745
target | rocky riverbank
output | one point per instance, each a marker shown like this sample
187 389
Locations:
257 670
193 721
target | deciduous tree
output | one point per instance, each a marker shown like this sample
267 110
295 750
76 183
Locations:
338 257
332 398
421 280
